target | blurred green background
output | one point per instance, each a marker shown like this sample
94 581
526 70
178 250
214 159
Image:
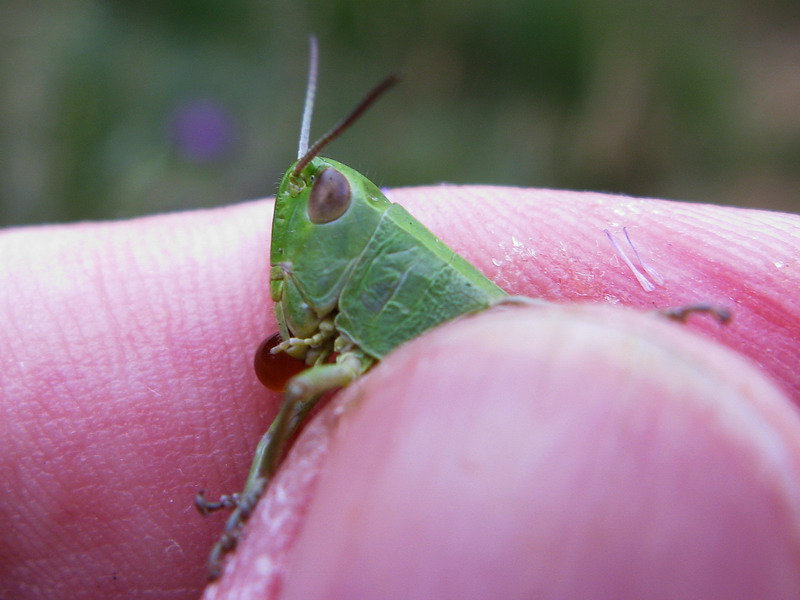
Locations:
121 108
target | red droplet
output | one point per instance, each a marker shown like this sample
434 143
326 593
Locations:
275 370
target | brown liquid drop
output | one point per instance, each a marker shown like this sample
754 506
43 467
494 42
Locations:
275 370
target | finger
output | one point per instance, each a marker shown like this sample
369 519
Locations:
126 387
577 452
127 383
551 244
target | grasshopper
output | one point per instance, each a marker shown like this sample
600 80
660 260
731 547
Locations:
385 280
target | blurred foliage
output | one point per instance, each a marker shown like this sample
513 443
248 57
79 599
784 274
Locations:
126 107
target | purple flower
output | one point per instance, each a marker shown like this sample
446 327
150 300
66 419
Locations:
202 130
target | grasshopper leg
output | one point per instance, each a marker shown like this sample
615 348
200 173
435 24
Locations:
302 393
521 301
207 506
676 313
681 313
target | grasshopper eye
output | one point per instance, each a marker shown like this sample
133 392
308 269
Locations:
330 197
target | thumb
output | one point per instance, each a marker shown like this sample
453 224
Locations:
555 452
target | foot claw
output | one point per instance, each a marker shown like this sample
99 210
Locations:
681 313
206 507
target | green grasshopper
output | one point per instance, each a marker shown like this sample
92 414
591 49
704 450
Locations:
385 279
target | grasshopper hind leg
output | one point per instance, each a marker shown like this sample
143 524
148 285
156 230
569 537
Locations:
302 393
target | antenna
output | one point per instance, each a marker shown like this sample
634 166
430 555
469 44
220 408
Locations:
311 89
337 129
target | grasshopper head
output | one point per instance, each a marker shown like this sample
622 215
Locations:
324 217
325 213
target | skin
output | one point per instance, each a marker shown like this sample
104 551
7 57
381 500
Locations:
572 451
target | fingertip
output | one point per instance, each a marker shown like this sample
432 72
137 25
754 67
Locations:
579 449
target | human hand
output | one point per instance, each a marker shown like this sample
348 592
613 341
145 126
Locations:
587 446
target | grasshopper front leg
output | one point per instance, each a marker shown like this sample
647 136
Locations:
302 393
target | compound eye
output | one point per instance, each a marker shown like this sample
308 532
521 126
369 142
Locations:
330 197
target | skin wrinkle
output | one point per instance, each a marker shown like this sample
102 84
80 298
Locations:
124 324
224 359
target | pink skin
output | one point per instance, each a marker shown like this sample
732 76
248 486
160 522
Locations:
575 451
